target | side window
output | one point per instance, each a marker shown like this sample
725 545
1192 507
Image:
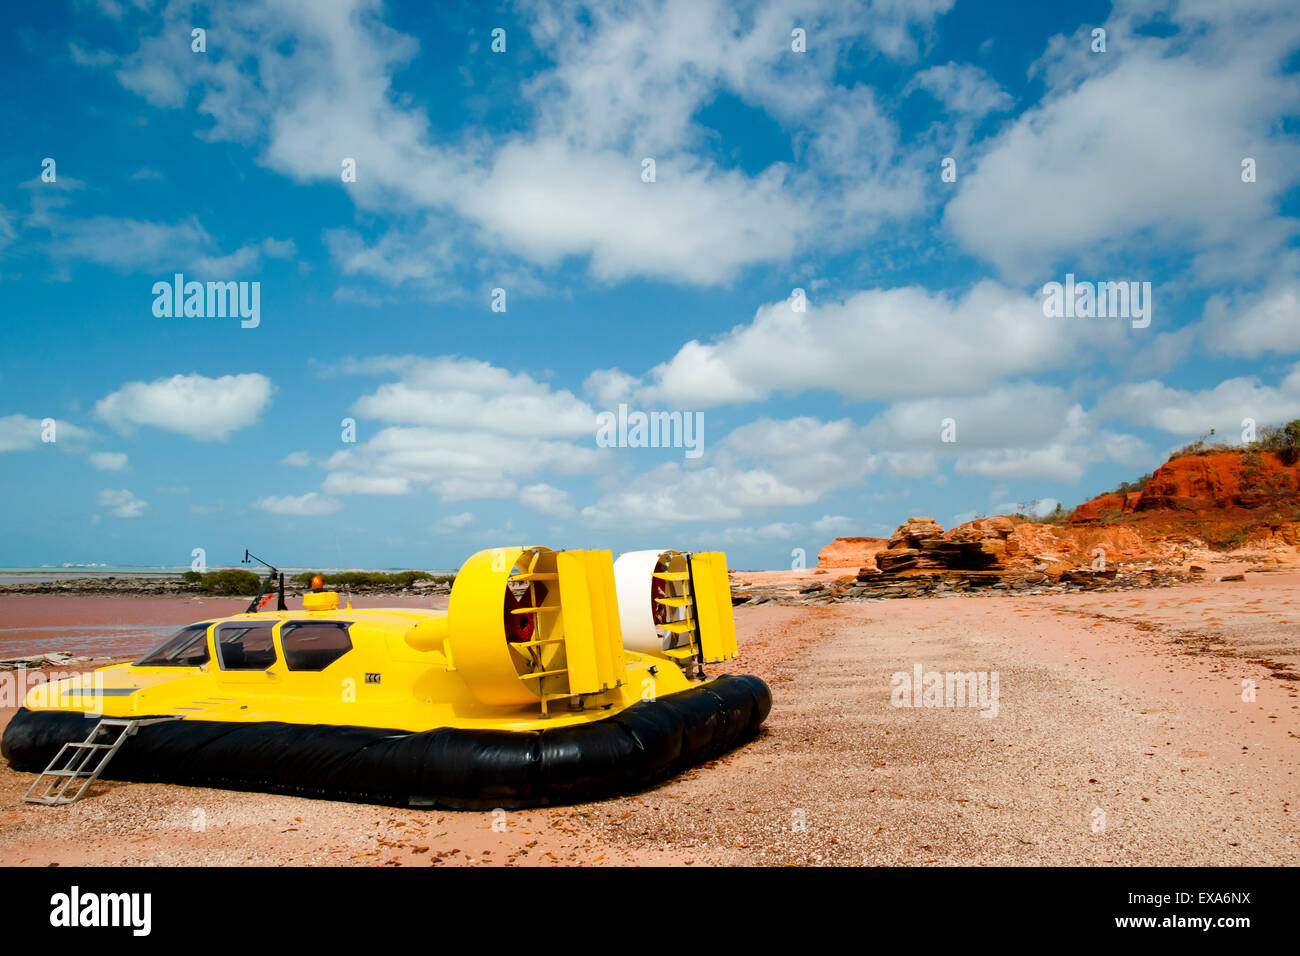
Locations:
245 647
188 647
314 645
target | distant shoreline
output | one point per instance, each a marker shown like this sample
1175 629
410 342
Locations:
150 575
158 586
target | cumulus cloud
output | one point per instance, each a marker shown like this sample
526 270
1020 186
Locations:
962 88
108 460
765 465
310 505
471 395
1254 325
791 532
547 499
454 465
206 409
1066 456
1193 412
122 503
454 523
1021 413
1104 157
881 343
463 429
137 245
21 433
311 81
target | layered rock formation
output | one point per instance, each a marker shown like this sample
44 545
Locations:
920 544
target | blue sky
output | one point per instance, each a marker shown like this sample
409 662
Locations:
523 170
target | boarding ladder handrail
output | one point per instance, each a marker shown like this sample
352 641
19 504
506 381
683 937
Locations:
79 766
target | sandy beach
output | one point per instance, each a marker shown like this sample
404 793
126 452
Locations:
1121 737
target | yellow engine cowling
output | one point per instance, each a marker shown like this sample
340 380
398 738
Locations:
528 624
676 604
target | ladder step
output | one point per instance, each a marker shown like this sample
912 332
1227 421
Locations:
75 757
672 575
677 627
674 601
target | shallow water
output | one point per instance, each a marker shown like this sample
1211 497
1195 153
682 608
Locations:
125 625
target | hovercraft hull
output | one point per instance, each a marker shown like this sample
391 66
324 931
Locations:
454 768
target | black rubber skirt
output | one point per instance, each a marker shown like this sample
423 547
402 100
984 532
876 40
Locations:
458 769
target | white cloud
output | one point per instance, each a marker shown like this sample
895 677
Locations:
311 83
547 499
463 429
812 533
130 244
310 505
910 464
21 433
1268 321
1105 157
765 465
245 259
609 387
108 460
471 395
206 409
1022 413
962 88
670 494
346 483
296 459
1194 413
7 231
454 523
695 224
454 465
1066 456
135 245
882 343
122 504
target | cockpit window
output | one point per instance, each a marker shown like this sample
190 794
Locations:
314 645
245 646
188 647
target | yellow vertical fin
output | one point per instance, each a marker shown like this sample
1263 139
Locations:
712 592
575 602
606 629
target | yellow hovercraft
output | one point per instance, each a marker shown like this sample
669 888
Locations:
553 677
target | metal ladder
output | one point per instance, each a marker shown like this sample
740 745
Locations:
75 761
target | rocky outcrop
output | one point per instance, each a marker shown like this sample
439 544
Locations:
884 586
851 553
42 661
1214 483
920 544
1104 507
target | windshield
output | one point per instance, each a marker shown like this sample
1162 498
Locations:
188 647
